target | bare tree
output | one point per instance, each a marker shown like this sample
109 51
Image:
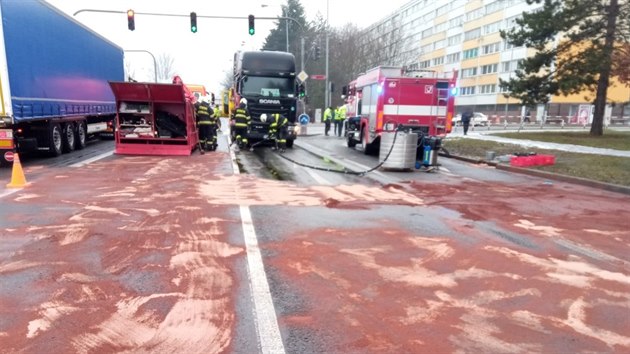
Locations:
228 80
165 67
130 72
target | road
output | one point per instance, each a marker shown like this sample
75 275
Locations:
168 254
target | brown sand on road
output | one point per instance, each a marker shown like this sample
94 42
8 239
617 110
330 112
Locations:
133 253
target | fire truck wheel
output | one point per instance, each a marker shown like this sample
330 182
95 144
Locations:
290 143
80 136
351 142
68 137
54 140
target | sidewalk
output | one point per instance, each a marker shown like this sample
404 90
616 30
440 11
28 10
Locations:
541 145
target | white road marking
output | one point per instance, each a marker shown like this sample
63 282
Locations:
8 192
319 179
90 160
264 311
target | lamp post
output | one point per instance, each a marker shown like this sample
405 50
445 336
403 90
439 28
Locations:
327 89
152 56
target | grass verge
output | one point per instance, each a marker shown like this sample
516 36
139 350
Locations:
609 169
618 140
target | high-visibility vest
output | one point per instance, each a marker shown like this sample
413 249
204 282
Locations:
241 118
327 114
341 113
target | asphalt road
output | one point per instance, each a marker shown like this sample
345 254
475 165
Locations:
168 254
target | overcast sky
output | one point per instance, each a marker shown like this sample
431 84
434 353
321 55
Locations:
205 56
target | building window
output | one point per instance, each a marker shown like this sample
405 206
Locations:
472 34
509 66
439 44
442 10
467 90
427 32
452 58
425 64
469 72
491 28
511 21
491 48
475 14
438 61
427 48
457 21
471 53
489 69
494 7
440 27
488 88
456 39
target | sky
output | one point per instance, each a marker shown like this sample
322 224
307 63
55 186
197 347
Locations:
206 56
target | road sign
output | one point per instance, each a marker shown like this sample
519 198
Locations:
302 76
8 156
318 77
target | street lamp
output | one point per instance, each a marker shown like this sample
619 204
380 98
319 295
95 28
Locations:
152 56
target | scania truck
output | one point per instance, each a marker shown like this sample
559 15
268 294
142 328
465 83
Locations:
267 80
54 75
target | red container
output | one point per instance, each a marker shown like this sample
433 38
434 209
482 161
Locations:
534 160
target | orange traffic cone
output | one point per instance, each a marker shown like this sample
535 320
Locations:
17 176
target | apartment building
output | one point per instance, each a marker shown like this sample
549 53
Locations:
464 35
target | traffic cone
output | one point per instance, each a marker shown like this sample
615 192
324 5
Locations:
17 176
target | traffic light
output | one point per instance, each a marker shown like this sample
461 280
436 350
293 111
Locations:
251 25
317 53
301 90
212 100
454 90
131 22
193 22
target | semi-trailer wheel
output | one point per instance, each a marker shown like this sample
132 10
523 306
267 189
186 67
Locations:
54 140
80 135
68 137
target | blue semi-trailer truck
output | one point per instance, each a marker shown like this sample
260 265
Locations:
54 75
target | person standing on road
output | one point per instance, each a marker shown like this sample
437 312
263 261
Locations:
466 117
204 123
328 115
242 120
340 117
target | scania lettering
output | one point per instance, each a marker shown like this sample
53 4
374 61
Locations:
267 80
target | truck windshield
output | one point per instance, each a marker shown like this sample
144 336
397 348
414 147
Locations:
268 86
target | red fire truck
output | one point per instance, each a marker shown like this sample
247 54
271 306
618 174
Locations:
386 99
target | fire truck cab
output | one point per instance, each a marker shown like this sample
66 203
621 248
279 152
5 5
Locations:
387 99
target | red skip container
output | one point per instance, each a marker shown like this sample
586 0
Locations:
534 160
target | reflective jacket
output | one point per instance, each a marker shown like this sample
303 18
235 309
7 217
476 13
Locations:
204 114
241 118
328 114
341 113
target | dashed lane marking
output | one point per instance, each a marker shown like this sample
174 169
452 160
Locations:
264 311
92 159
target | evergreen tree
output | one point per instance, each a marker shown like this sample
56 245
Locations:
574 42
277 38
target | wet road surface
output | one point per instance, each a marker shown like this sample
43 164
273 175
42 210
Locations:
151 254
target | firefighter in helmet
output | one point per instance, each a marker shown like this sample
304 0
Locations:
241 122
205 122
278 130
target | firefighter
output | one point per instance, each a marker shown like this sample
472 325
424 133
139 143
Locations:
340 117
278 130
217 112
241 122
328 114
205 123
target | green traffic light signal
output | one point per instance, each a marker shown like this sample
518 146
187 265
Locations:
193 22
251 25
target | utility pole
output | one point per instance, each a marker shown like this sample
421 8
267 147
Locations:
302 55
327 91
287 23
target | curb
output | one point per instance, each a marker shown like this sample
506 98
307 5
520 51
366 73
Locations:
544 174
